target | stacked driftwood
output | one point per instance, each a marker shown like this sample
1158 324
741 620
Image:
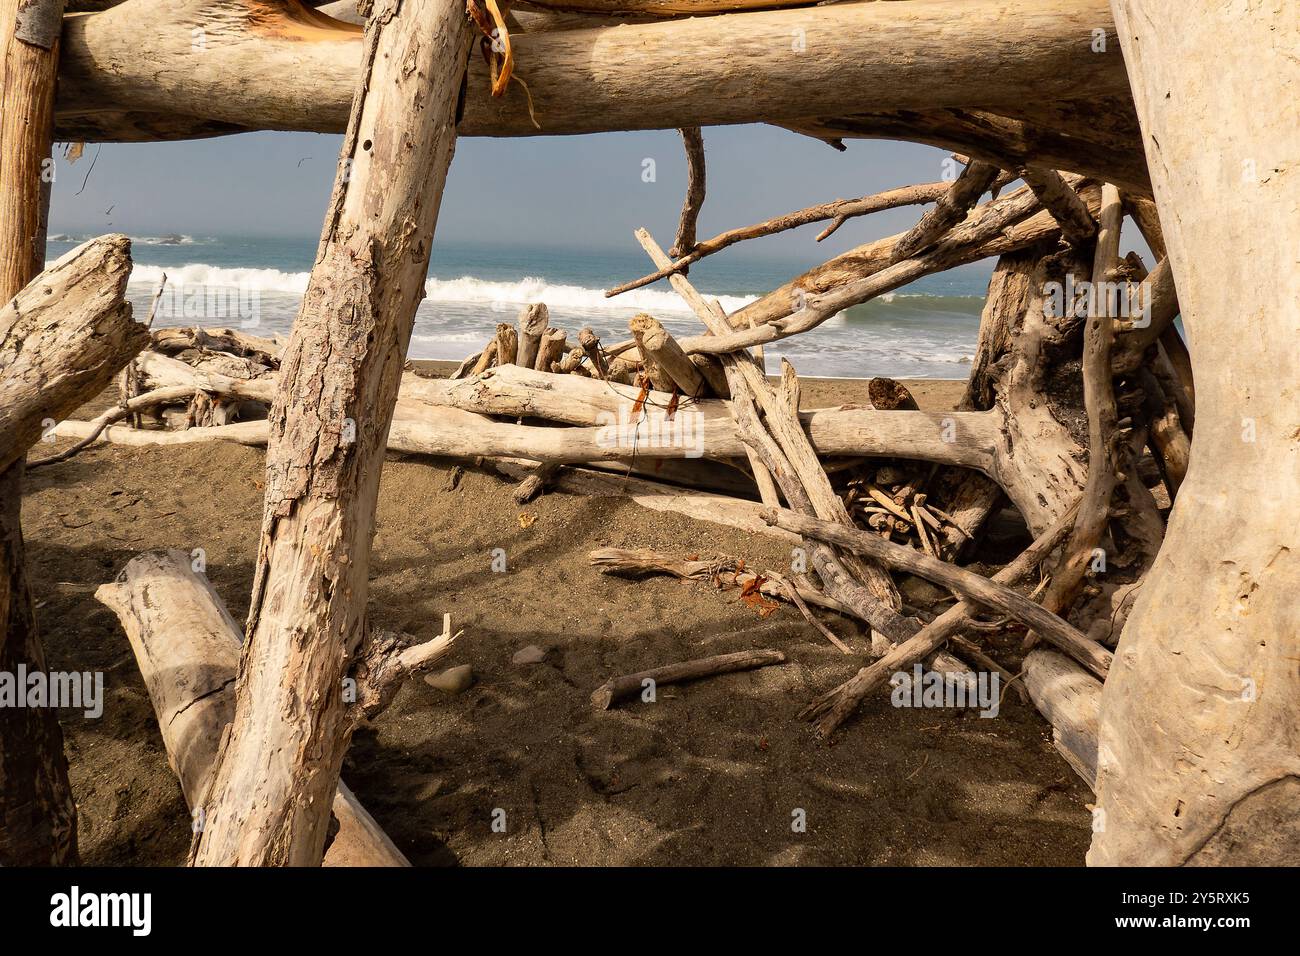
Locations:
1077 416
1072 413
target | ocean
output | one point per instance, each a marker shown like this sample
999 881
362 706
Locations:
926 330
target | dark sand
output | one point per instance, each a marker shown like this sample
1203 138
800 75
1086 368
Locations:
710 774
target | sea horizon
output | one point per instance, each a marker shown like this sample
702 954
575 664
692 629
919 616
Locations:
927 330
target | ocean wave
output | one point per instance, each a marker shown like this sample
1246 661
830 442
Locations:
467 289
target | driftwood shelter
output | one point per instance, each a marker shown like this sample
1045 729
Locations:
1172 685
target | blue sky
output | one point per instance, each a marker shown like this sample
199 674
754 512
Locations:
575 192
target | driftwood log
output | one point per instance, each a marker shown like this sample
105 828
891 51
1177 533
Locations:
187 647
38 817
279 767
985 77
1197 756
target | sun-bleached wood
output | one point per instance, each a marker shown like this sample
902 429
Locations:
1198 755
63 338
1070 698
339 377
187 648
38 815
135 72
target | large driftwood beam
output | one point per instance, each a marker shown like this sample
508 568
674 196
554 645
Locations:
135 71
63 338
629 685
1198 762
187 647
339 378
965 584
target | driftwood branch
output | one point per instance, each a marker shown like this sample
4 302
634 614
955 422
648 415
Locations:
629 685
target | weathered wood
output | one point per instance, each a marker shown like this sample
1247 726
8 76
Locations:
693 140
785 451
949 209
38 817
532 325
629 685
279 766
965 584
840 210
187 647
659 347
550 349
835 706
1006 225
1070 698
62 340
721 572
1198 763
129 73
1070 212
1099 398
590 343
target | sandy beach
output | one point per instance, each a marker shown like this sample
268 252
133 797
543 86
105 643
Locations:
710 774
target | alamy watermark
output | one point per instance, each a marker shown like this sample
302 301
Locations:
1088 298
934 689
82 691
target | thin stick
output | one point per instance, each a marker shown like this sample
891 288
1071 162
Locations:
840 209
620 688
693 140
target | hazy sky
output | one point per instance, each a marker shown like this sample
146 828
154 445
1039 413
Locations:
579 192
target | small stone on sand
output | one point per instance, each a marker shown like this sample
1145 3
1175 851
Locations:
453 680
532 654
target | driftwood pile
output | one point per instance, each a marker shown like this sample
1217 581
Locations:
1079 403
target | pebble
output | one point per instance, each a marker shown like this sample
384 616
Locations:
453 680
532 654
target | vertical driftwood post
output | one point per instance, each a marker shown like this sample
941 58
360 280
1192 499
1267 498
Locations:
1199 750
279 766
38 818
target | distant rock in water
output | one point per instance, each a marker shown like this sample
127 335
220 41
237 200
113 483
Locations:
171 239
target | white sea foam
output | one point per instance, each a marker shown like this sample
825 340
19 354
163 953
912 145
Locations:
467 289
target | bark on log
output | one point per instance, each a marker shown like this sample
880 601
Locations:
629 685
1198 755
279 766
187 647
38 817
